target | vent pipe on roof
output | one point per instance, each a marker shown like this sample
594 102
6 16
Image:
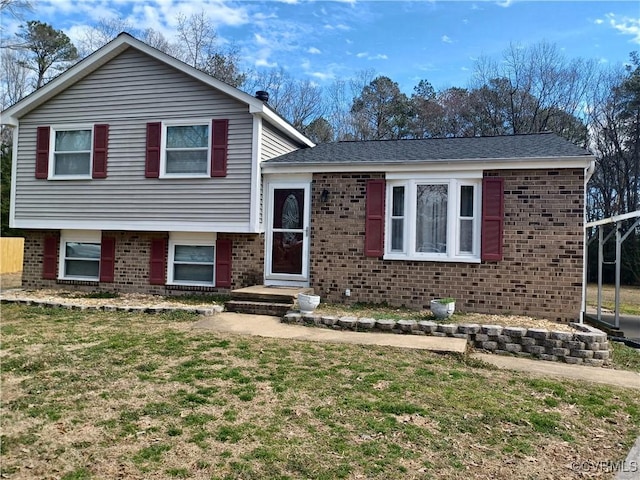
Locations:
262 95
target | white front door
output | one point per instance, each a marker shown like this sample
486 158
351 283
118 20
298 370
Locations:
287 234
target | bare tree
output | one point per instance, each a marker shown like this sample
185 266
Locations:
15 77
197 39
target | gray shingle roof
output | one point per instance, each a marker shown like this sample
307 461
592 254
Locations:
539 145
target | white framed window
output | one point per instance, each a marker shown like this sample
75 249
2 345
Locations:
433 219
71 149
186 149
192 259
80 255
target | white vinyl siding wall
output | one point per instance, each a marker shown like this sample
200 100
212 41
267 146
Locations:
126 93
274 143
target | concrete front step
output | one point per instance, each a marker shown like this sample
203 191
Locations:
277 309
270 294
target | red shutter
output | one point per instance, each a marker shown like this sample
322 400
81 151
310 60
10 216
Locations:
42 152
157 265
219 147
100 142
374 226
107 259
152 165
50 258
223 263
492 218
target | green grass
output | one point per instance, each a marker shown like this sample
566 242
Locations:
624 357
87 394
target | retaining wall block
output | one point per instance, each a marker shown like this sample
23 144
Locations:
366 323
468 328
504 339
560 352
513 347
589 337
386 324
449 329
481 337
601 355
347 322
538 333
564 336
547 357
427 326
535 349
527 341
491 346
593 362
574 345
329 320
514 332
552 343
407 325
311 319
573 360
582 353
593 346
491 329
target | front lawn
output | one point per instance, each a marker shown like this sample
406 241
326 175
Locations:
116 395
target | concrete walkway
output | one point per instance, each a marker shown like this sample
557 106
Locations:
271 327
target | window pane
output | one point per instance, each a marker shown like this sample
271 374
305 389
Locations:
466 236
73 141
82 268
397 234
193 273
466 201
192 253
82 250
72 163
431 218
187 161
398 201
192 136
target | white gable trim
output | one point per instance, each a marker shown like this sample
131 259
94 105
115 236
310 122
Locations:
112 49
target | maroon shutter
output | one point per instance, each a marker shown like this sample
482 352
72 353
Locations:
492 218
42 152
219 147
223 263
107 258
374 226
157 264
152 165
100 142
50 258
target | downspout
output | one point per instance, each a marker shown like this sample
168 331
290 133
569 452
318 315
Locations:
588 173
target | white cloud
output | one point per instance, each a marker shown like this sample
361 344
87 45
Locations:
339 26
505 3
314 51
362 54
380 56
626 26
260 40
598 21
324 76
446 39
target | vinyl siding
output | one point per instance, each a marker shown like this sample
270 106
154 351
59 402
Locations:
274 143
127 92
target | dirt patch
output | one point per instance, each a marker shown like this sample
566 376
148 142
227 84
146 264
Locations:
10 280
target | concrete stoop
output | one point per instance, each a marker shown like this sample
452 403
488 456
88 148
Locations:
264 300
258 308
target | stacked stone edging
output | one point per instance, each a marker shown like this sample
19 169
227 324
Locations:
114 308
586 346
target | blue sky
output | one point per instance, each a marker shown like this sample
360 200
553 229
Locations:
407 41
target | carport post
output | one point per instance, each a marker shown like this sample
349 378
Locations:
600 262
618 255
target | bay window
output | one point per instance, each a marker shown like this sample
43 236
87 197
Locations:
433 219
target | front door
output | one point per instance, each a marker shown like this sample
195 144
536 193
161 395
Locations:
288 235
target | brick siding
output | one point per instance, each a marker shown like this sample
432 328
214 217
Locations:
131 273
540 274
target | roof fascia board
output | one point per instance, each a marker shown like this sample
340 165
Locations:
432 165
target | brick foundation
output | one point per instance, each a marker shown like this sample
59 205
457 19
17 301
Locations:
540 274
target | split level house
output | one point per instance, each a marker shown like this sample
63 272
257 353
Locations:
133 172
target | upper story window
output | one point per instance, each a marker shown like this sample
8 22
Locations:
433 219
186 150
71 152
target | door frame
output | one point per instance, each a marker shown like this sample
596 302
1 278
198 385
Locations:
283 279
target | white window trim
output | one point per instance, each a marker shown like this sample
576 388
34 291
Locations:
453 209
191 239
80 236
163 147
52 151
